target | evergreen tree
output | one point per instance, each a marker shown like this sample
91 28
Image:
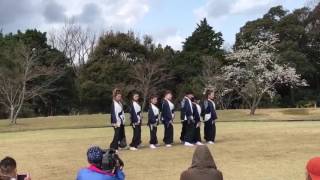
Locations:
188 64
204 40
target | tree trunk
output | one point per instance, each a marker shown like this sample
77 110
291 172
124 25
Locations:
11 114
144 103
255 104
21 101
222 106
253 110
292 98
17 113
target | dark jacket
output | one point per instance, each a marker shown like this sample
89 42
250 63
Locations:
134 115
113 114
196 114
203 166
152 118
166 115
208 108
186 110
116 116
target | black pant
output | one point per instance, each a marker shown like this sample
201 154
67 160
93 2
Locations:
168 134
209 131
183 130
119 138
136 139
153 135
189 132
197 134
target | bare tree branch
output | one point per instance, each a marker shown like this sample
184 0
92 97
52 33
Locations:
17 85
75 43
148 75
213 78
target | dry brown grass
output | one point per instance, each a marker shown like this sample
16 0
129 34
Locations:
245 150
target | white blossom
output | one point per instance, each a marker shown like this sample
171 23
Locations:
255 71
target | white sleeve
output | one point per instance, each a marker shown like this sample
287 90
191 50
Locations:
190 104
137 109
199 109
122 116
207 117
117 110
155 110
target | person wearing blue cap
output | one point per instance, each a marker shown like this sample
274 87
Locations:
95 171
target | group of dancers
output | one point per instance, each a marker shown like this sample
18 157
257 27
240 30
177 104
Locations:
193 113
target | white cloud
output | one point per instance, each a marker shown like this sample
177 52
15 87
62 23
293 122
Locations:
132 11
174 41
249 6
216 9
170 36
97 14
228 16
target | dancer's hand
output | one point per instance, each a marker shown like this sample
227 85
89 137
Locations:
115 125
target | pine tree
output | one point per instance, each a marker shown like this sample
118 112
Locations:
188 65
204 40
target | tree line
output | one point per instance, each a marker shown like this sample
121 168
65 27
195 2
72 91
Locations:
275 62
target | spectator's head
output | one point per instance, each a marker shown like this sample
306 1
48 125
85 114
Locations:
203 166
168 95
202 158
116 94
95 155
3 177
313 169
8 168
154 99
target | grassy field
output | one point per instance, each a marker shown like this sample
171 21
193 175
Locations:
249 150
103 120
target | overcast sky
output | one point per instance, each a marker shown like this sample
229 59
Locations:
167 21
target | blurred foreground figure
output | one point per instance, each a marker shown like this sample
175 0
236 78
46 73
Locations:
203 166
313 169
8 170
103 165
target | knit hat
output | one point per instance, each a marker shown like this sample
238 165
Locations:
95 155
